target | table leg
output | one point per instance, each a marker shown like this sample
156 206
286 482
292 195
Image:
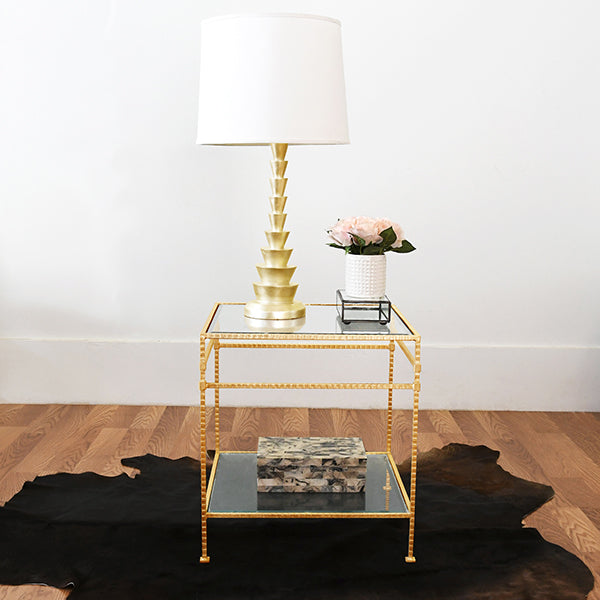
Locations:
413 462
204 558
390 398
216 413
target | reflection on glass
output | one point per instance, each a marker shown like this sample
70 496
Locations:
301 501
319 320
361 327
234 491
387 488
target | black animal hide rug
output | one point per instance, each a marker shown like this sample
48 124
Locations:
139 538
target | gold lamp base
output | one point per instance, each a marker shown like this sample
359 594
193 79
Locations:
275 325
275 294
276 311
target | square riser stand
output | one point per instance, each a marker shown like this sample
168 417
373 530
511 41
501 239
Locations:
371 310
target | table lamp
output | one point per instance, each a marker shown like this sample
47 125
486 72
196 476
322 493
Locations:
272 79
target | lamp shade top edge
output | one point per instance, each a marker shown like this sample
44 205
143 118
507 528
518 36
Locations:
272 15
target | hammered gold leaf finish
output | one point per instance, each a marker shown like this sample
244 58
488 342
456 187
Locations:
276 257
216 341
275 294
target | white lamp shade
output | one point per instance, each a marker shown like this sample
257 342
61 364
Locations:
272 78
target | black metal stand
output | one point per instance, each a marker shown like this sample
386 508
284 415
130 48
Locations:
364 310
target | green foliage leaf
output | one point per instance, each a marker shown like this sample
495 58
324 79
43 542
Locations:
358 240
389 237
337 246
405 248
372 249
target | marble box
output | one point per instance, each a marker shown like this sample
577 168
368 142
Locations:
312 464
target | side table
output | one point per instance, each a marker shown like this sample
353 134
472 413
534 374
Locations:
231 489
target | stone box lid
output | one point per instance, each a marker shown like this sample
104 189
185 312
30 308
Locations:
315 451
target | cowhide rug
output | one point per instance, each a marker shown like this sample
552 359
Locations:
139 538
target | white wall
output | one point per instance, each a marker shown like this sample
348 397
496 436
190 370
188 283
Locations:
474 124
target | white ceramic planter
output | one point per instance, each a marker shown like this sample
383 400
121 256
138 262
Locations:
365 275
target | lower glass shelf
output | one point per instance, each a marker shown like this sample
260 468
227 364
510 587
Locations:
232 493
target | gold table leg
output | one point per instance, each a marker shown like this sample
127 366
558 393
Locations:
217 418
413 462
390 398
204 558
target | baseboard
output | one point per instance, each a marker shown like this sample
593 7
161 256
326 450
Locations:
149 372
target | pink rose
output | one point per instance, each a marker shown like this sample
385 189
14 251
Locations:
399 235
339 234
366 228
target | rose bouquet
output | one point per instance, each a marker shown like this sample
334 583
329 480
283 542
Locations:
366 235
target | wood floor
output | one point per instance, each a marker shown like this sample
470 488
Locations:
559 449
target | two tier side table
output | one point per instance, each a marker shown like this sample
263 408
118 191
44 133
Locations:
231 490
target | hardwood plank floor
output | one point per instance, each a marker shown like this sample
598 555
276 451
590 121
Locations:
559 449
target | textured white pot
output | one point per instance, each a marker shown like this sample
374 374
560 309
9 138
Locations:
365 275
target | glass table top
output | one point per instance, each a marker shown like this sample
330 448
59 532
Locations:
234 491
319 320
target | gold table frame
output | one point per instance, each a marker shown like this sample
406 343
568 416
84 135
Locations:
214 341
